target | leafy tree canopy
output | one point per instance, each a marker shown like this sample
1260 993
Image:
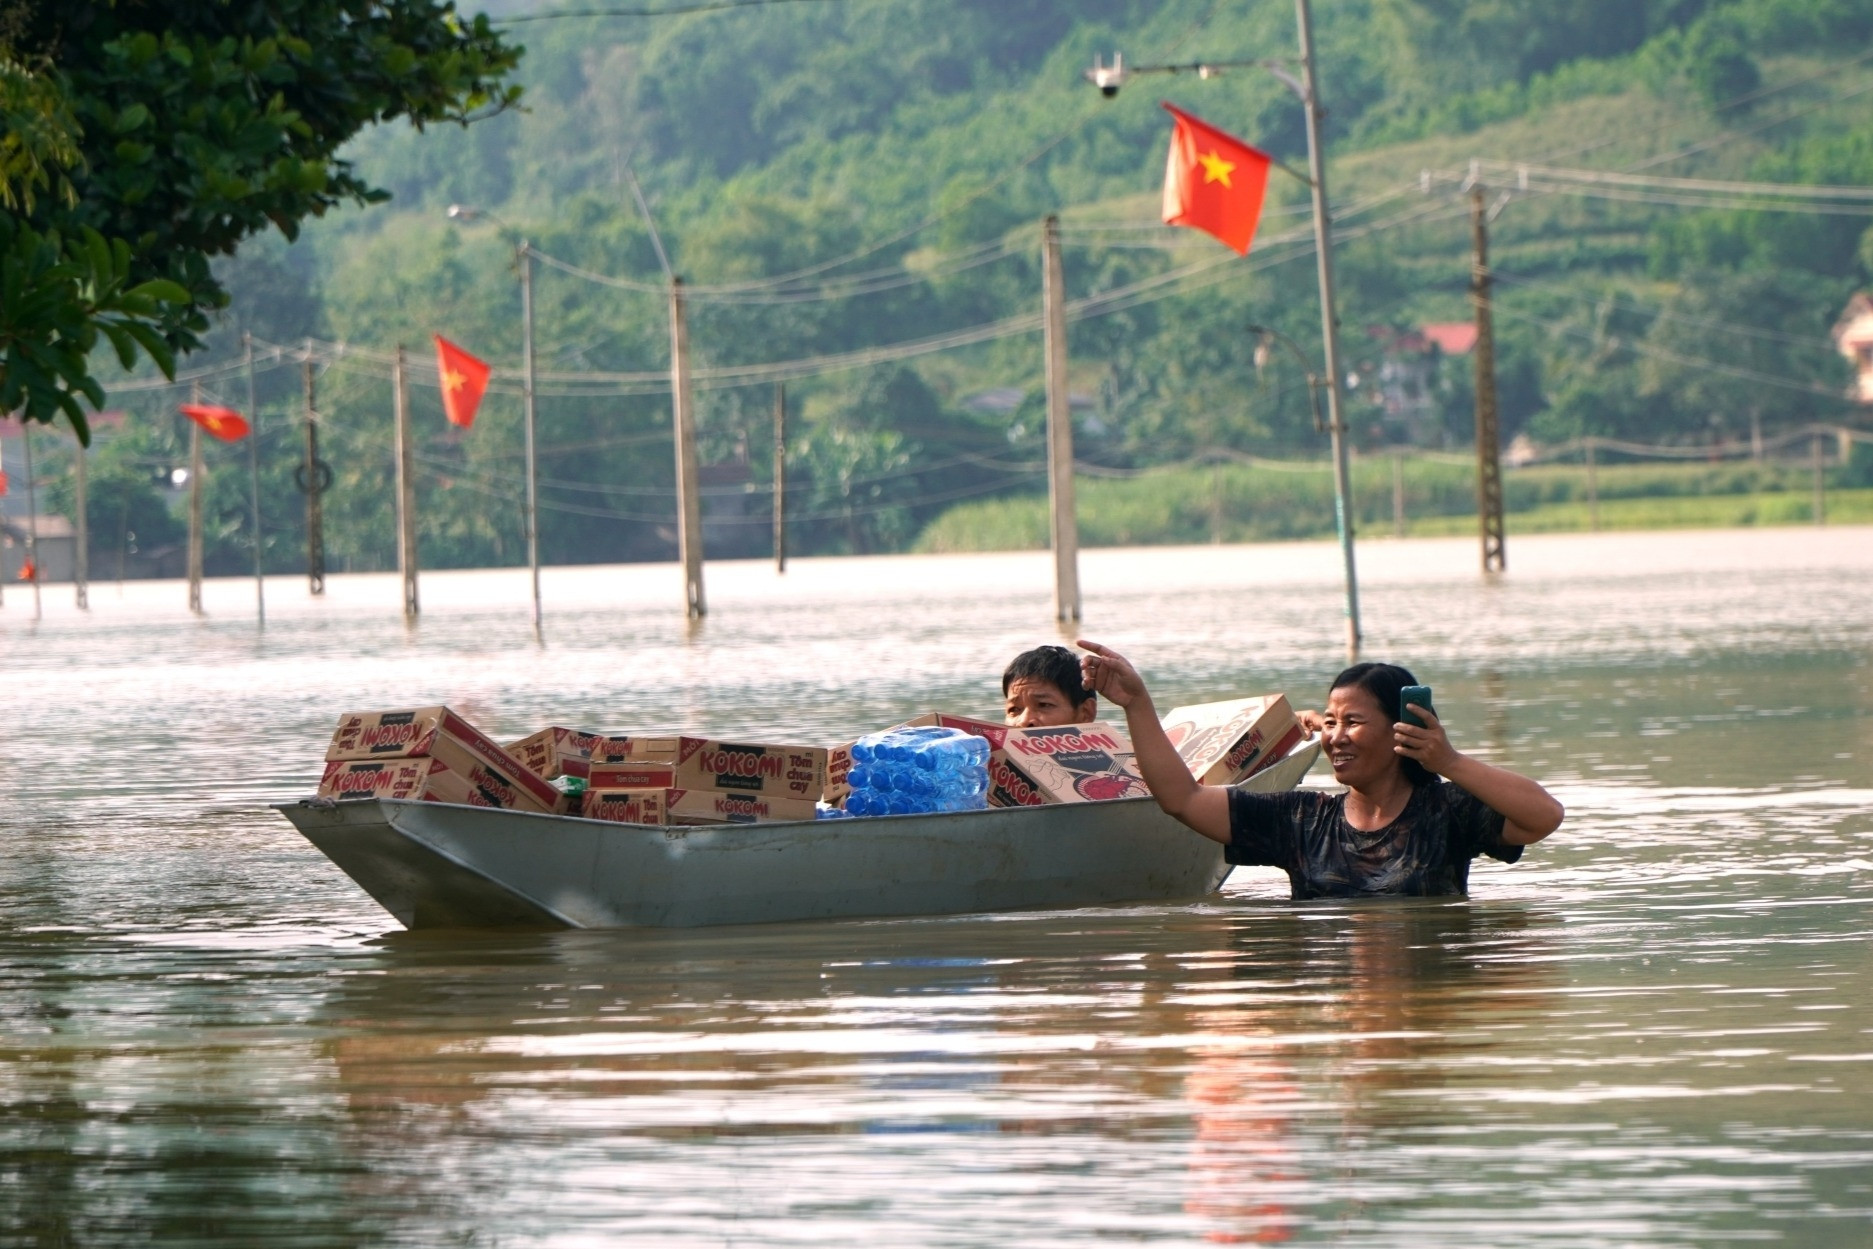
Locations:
145 137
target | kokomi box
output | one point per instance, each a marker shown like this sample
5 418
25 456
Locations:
1228 742
629 775
423 778
692 806
556 752
616 749
626 806
437 732
1073 763
839 758
733 767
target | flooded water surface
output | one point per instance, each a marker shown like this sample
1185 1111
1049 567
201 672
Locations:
1656 1030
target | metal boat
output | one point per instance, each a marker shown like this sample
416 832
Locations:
433 865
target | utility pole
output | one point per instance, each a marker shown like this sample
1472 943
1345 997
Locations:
195 506
32 511
1065 518
524 256
1488 431
1821 482
780 477
1329 324
688 500
1593 485
253 480
1398 494
406 489
312 481
81 553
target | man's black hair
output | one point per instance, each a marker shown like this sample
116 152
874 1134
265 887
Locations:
1056 665
1385 682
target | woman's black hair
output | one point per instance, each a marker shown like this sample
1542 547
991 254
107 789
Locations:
1056 665
1385 682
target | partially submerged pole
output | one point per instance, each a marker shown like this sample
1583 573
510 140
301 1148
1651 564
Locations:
81 552
1398 494
1329 325
312 481
1821 482
1488 435
1064 522
195 507
32 515
780 477
253 481
406 490
1593 486
688 500
525 257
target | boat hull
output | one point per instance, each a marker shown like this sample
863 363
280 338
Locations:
433 865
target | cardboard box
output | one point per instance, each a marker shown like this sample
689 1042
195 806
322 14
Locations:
437 732
1227 742
1073 763
610 749
555 752
424 778
693 806
629 775
625 806
797 772
839 758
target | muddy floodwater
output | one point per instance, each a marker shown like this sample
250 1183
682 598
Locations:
1656 1030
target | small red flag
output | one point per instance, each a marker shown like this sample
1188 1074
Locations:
1214 182
224 423
464 381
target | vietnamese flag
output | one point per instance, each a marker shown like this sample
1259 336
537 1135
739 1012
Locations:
224 423
1214 182
464 380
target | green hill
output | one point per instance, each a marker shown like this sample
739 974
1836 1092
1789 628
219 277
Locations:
899 155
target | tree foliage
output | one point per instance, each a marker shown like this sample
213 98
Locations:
169 133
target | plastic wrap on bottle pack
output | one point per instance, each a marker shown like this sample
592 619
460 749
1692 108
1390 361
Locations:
913 771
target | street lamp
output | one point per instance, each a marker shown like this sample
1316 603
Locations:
523 259
1266 336
1109 79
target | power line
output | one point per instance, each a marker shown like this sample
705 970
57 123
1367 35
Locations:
710 6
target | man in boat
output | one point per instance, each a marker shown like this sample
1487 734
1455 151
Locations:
1045 687
1396 830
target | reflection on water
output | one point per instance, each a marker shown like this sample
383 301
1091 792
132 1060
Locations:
1655 1030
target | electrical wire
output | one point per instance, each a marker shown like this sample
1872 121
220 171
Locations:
708 6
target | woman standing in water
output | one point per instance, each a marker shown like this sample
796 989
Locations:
1397 830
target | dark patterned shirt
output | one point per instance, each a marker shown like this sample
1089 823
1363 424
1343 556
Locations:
1424 853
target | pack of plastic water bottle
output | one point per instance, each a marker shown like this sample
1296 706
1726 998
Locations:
909 771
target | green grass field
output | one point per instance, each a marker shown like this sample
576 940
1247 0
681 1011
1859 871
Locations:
1244 503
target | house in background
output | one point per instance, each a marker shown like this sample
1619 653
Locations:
1405 386
1853 337
53 538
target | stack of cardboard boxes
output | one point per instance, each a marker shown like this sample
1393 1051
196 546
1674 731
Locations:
433 755
430 754
693 780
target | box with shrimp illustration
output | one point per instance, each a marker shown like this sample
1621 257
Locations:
1225 743
1066 763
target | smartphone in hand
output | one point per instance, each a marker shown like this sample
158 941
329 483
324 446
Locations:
1414 696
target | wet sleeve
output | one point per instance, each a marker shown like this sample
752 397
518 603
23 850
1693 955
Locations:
1476 827
1263 828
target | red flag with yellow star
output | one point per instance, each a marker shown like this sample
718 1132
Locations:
1214 182
224 423
464 381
